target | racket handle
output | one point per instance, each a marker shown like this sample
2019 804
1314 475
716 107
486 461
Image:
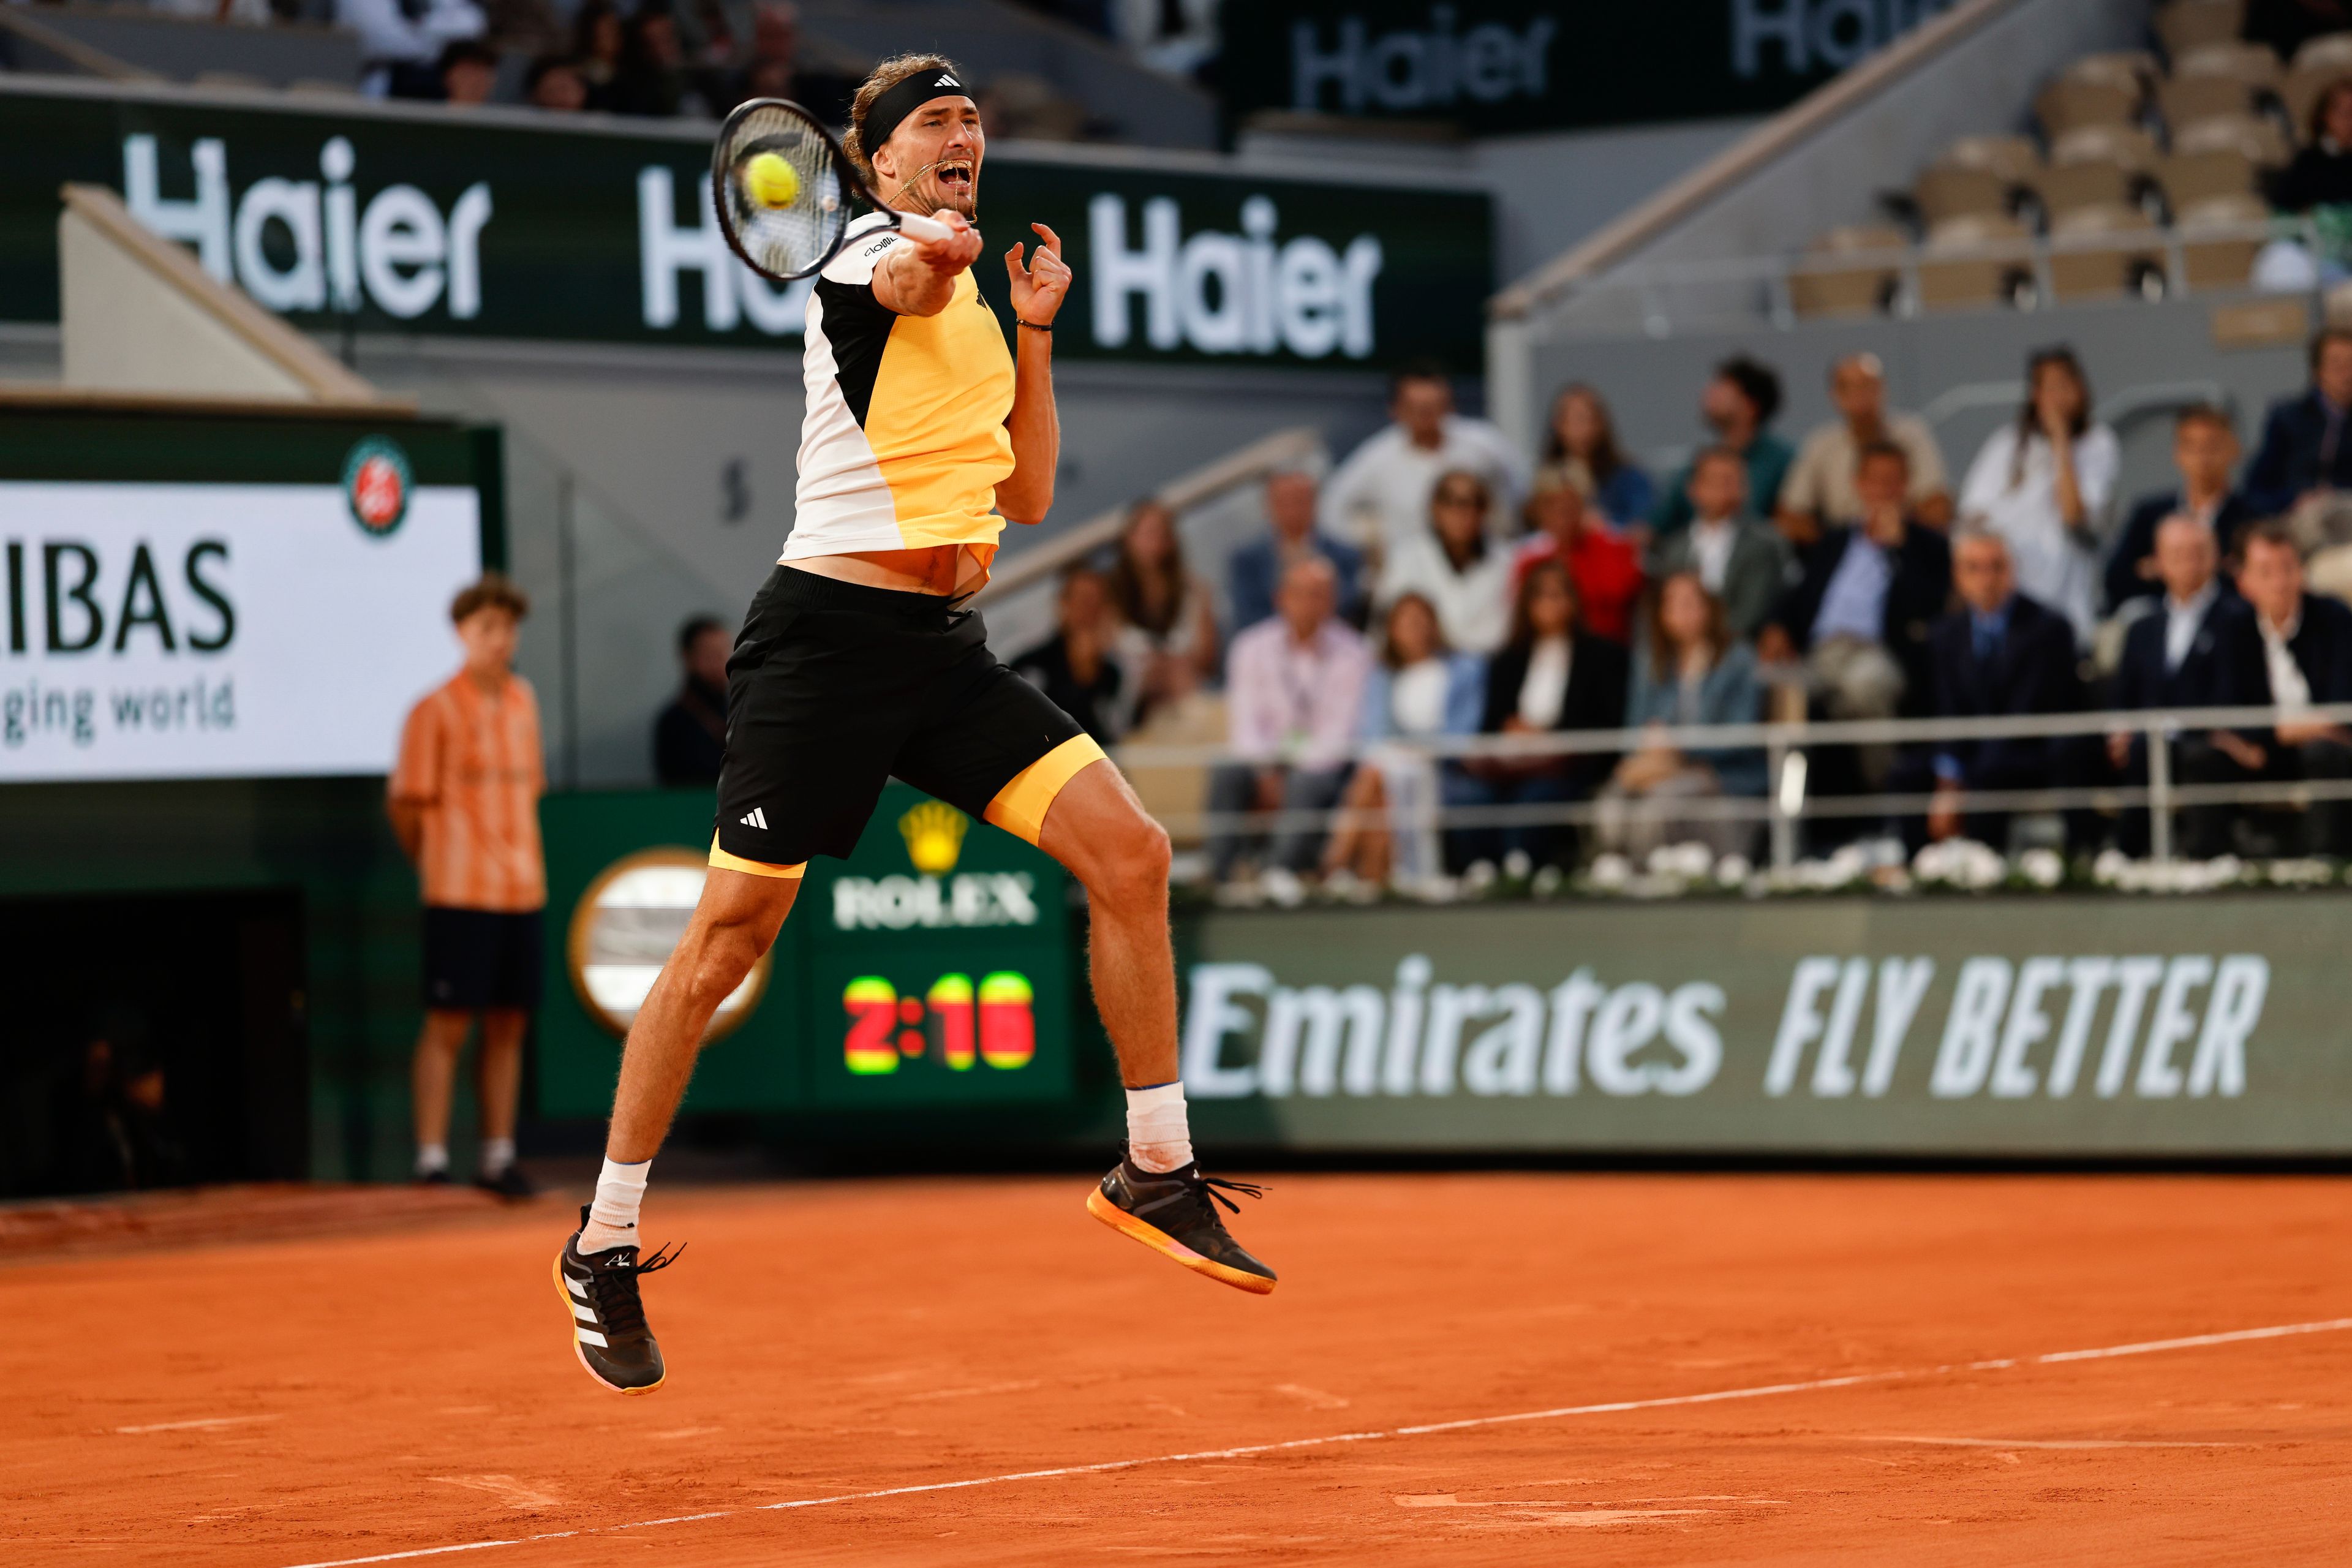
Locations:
930 230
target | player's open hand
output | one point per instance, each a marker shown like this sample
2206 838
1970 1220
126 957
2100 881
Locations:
958 250
1038 287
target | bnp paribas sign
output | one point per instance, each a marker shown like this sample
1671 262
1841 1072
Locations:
2047 1026
521 225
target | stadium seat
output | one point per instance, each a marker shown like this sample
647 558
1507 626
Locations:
2014 158
1982 259
2184 100
2329 52
2071 187
2224 262
1946 191
2109 268
2132 68
1819 286
2258 140
2189 178
2184 25
2299 93
2065 105
2250 63
2129 146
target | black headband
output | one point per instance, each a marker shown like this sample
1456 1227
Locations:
898 103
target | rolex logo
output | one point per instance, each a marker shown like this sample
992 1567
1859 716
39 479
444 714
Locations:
934 834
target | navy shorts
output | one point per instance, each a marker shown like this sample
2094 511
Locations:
481 958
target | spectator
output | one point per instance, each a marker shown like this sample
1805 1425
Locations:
2000 654
2321 174
776 69
1379 498
469 73
1862 605
2043 483
401 39
2305 658
1689 670
651 80
596 49
464 802
1293 692
1455 565
1547 678
555 83
2191 653
690 732
1171 641
109 1121
1821 491
2305 456
1075 666
1739 400
522 26
2205 450
1738 560
1602 564
1257 566
1419 690
1585 452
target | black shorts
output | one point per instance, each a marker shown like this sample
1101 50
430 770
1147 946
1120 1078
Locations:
481 958
835 687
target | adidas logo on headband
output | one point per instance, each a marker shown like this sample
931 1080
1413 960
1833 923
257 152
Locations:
945 80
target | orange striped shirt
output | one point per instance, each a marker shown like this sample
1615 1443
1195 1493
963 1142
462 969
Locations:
472 761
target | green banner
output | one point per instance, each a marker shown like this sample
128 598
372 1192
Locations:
2017 1027
1536 65
929 972
505 226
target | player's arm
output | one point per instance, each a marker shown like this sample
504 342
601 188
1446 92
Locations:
1038 288
916 277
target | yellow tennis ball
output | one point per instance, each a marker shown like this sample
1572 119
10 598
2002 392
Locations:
771 182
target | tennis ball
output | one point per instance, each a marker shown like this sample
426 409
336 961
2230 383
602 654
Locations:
771 180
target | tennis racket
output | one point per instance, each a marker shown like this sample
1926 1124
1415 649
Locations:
783 189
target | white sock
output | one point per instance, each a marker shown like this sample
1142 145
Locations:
432 1159
498 1153
1158 1138
613 1216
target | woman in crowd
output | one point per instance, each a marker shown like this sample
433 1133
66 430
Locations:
2321 174
1171 641
1419 690
1689 670
1465 575
1583 452
1549 677
2043 484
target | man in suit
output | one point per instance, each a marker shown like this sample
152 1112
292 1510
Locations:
2000 654
2303 653
2205 450
2190 652
1741 561
1255 570
2305 447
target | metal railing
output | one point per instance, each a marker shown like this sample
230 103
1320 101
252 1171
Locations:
1787 800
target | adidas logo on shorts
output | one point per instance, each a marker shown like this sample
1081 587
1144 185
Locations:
755 817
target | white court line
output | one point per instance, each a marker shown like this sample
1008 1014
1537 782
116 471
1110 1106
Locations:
2045 1443
193 1425
1851 1380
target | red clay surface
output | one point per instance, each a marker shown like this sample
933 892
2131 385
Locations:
397 1394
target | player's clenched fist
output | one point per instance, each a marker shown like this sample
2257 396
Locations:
1038 287
958 250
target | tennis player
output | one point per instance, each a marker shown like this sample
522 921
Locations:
859 661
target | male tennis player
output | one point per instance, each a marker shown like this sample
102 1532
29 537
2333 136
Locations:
858 662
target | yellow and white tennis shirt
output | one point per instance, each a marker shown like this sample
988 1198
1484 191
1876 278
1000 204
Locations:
904 441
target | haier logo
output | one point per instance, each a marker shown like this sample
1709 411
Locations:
731 292
1807 36
1221 293
1408 68
312 245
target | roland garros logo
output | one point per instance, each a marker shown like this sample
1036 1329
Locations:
376 485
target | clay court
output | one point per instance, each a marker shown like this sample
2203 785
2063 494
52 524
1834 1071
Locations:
1461 1368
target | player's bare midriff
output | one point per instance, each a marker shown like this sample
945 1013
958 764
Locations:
942 569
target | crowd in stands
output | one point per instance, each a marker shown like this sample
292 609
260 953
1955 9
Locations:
1432 586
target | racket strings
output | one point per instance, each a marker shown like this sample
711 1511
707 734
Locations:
793 237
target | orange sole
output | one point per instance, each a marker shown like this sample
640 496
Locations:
1175 1251
565 1297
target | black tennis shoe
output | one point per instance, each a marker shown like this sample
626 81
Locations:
1175 1213
608 1328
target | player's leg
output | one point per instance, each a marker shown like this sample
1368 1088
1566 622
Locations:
432 1078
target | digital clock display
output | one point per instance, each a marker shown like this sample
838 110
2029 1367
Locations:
952 1023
